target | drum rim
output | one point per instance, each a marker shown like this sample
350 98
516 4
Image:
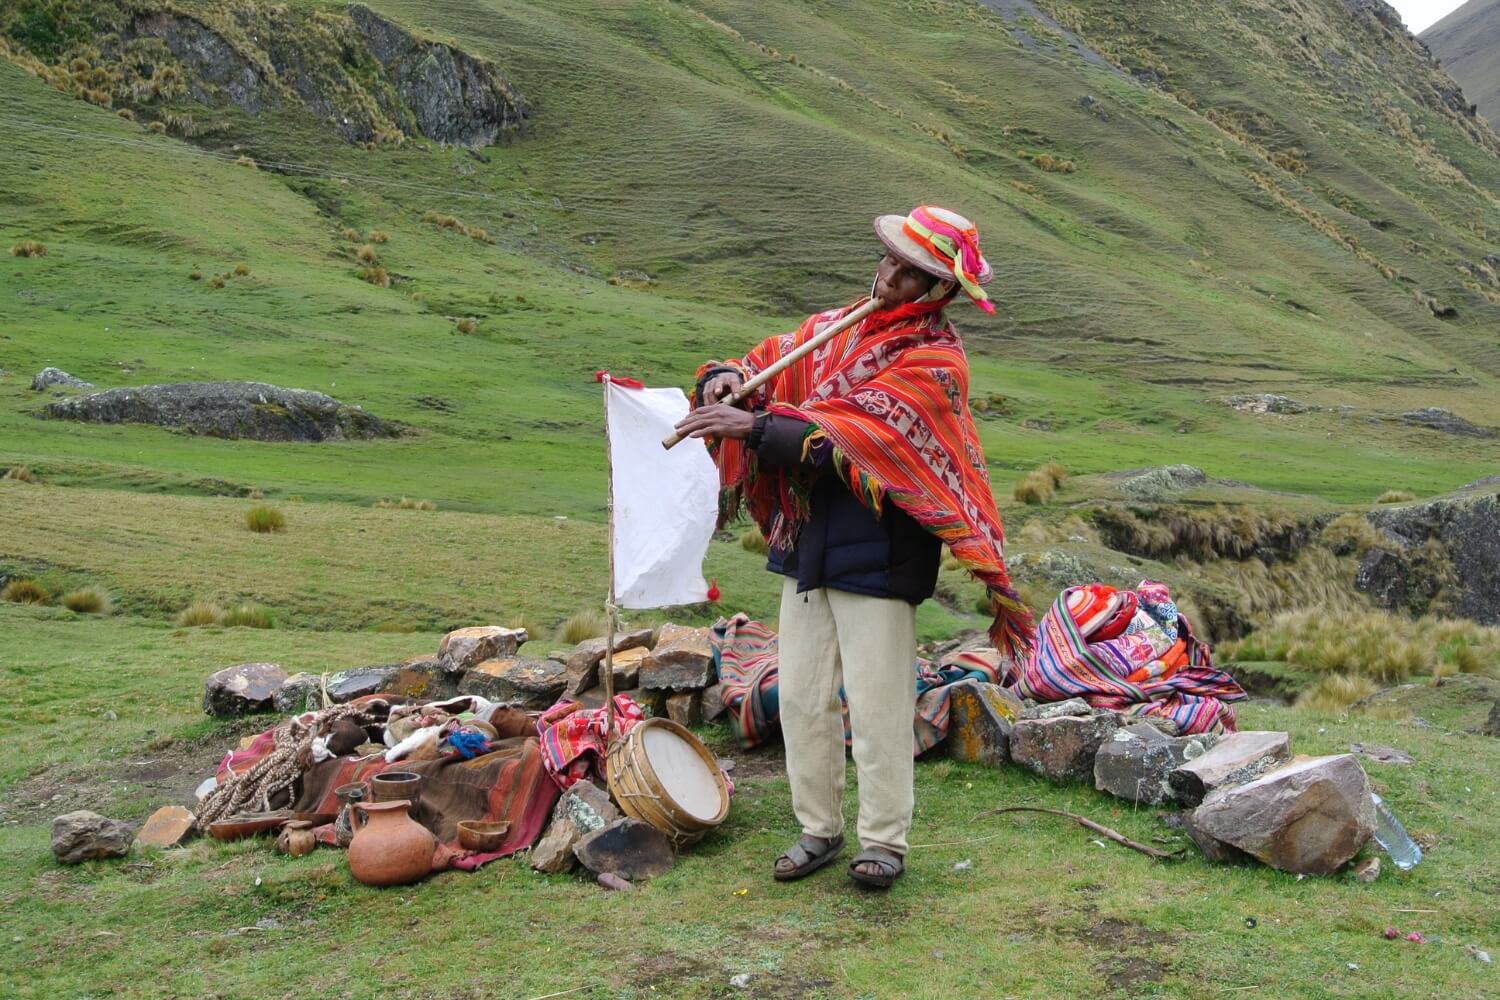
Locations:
643 762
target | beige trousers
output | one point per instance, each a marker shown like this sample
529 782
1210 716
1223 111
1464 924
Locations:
869 645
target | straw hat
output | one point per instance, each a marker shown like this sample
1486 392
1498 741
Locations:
942 243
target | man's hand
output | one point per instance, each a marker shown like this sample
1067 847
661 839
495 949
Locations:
721 386
717 420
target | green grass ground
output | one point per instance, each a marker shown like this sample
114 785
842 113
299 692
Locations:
1043 911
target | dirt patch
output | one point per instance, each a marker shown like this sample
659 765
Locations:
151 773
1128 973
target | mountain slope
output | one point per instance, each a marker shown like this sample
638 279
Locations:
1247 211
1468 43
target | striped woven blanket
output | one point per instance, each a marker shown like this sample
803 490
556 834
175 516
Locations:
1196 696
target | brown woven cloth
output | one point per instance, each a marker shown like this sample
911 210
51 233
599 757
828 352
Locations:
508 784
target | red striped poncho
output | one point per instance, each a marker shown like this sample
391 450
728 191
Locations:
891 396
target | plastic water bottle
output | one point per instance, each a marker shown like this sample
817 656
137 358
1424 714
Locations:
1392 837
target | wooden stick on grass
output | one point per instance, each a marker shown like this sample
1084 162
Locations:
1087 824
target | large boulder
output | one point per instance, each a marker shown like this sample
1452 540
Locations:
252 410
86 836
347 685
1308 817
1234 760
243 689
423 678
681 660
1061 748
582 809
980 719
517 680
583 662
1466 524
627 847
1135 762
48 377
466 648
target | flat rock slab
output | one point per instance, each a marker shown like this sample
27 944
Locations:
466 648
169 826
1063 748
1135 762
242 689
86 836
517 680
1380 754
1234 760
235 410
682 660
583 662
1308 817
980 720
1056 709
583 809
627 847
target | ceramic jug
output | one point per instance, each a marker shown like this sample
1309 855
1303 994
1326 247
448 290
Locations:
389 848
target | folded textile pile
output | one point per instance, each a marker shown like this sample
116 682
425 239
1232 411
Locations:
1129 651
574 738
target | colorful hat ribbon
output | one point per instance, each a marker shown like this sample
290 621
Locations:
957 248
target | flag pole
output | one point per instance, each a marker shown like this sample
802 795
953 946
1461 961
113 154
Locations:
611 612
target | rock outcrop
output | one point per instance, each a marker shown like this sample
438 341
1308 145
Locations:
366 75
48 377
1467 525
253 410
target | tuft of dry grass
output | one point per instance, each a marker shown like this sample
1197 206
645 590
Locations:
468 324
29 248
157 127
88 601
242 270
217 281
1035 487
751 540
200 613
590 623
249 616
379 236
1396 496
195 275
365 254
25 591
1335 693
21 473
1374 644
247 161
376 276
263 518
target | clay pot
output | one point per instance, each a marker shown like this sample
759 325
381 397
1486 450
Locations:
296 839
388 847
393 785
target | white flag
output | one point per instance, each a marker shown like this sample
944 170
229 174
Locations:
666 501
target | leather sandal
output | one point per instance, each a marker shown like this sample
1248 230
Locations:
890 863
807 855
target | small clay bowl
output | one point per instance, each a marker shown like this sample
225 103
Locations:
392 785
478 835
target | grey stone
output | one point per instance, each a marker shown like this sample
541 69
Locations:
1212 848
517 680
713 703
243 689
627 847
1057 709
422 678
583 809
1061 748
1134 763
1466 525
249 410
686 708
48 377
296 693
1492 724
1235 759
466 648
1381 754
1160 482
1438 419
346 685
87 836
1308 817
583 662
682 660
1268 402
980 720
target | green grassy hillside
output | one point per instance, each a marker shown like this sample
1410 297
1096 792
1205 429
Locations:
1468 43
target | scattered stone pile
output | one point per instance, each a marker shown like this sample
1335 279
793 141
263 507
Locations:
1245 794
